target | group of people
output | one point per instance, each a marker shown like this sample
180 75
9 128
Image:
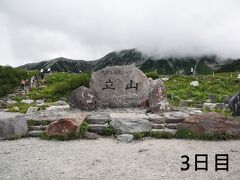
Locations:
35 81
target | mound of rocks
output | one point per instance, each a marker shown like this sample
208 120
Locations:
211 123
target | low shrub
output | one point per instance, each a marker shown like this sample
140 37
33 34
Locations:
83 129
161 134
186 134
67 137
108 131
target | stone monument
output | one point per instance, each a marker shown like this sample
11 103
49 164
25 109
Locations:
120 86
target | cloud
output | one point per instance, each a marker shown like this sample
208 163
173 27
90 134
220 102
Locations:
42 29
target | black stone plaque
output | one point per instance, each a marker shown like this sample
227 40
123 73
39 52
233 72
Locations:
234 104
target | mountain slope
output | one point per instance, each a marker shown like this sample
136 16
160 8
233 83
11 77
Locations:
124 57
173 65
231 67
61 64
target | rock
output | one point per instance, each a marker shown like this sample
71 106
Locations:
12 125
98 119
211 123
172 126
58 108
214 106
35 133
130 122
194 83
157 119
41 87
63 127
191 110
3 104
165 79
60 103
226 99
83 98
172 131
98 128
51 115
185 103
175 117
40 102
125 137
37 128
32 110
15 109
11 95
27 101
120 86
195 112
234 104
91 135
143 150
157 98
11 102
212 98
157 126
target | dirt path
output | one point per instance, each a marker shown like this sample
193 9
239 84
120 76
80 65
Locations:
107 159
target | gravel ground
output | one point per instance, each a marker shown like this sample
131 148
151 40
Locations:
33 158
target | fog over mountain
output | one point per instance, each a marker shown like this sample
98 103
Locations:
37 30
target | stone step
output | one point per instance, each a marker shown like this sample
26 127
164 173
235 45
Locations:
37 128
157 119
157 126
175 117
172 131
172 125
97 128
98 119
35 133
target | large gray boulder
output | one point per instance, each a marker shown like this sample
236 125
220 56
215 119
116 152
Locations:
120 86
157 97
130 122
83 98
12 125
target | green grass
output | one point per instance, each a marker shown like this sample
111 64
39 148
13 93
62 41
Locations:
161 135
22 107
60 85
139 135
152 134
38 123
83 129
186 134
222 85
108 131
225 112
67 137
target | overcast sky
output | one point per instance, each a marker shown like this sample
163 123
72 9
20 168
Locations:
34 30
